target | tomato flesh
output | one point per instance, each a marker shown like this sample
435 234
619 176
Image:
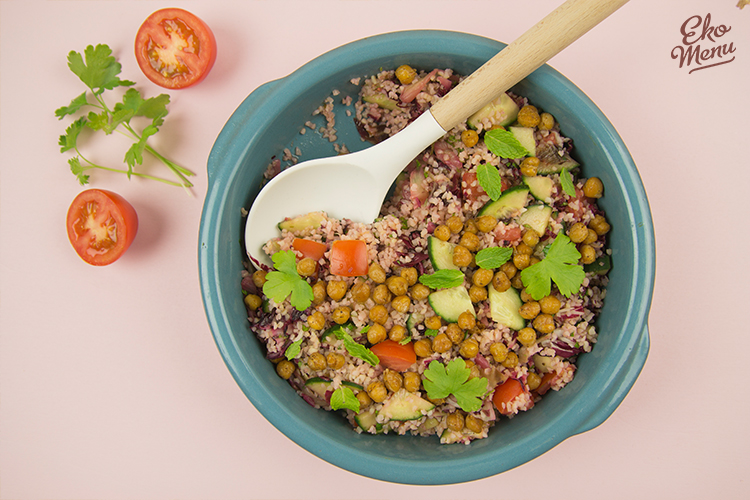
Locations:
348 258
309 248
101 226
174 48
394 355
505 393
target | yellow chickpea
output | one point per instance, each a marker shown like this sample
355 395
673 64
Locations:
397 285
527 336
466 321
341 314
412 381
600 225
455 421
474 424
509 269
529 166
336 289
433 322
335 360
253 301
578 232
528 116
511 360
482 277
455 333
593 187
410 275
470 241
377 391
499 352
317 362
285 369
544 323
376 333
307 267
470 138
462 257
442 232
376 273
361 292
530 238
364 399
381 295
550 304
419 292
441 343
486 223
588 254
529 310
379 314
469 348
478 293
402 303
393 380
319 292
500 281
405 74
546 121
521 261
423 348
455 224
533 380
397 333
259 278
316 321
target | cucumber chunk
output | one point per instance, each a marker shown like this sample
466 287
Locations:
381 100
412 321
537 218
525 136
367 419
504 308
540 187
319 386
502 111
510 203
313 220
449 303
404 405
441 253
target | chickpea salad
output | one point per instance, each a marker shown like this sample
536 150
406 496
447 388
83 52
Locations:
467 300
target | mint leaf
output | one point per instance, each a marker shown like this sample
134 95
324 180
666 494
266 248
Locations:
504 144
566 180
444 278
440 381
99 70
560 264
489 179
286 282
73 107
356 349
493 257
344 398
430 332
293 350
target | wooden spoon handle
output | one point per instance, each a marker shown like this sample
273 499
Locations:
539 44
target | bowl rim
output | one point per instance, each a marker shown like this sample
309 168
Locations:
453 469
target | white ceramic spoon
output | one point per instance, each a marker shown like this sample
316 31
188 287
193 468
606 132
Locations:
353 186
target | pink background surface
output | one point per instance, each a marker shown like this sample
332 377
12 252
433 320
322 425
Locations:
110 383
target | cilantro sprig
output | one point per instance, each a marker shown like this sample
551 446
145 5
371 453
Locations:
98 69
440 381
286 282
560 265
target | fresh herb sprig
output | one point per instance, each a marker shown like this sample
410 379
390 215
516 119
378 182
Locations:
98 69
344 398
493 257
440 381
443 278
560 265
285 282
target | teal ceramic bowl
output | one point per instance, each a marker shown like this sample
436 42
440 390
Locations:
270 119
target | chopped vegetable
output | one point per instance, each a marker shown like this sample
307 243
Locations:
441 381
395 355
559 265
505 393
286 282
309 248
348 258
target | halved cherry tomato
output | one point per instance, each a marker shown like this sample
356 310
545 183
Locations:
348 258
505 393
174 48
394 355
101 226
309 248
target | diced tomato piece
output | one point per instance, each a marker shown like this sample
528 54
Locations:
505 393
348 258
546 383
394 355
309 248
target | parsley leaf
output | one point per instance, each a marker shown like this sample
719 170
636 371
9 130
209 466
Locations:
489 179
286 282
444 278
493 257
504 144
560 264
293 350
99 71
344 397
440 381
566 180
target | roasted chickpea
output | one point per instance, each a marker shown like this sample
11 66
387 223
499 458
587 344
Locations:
410 275
336 289
455 224
591 238
402 303
341 314
379 314
529 310
527 336
469 348
442 232
530 238
455 333
423 348
412 381
466 321
473 423
588 254
397 285
499 352
470 241
526 296
307 267
319 292
259 278
393 380
455 421
470 138
419 292
441 343
433 322
529 166
593 187
470 226
516 281
600 225
397 333
377 391
578 232
528 116
405 74
546 121
544 323
381 295
364 399
462 257
376 273
482 277
500 281
253 301
376 334
511 360
316 321
361 292
478 293
285 369
486 223
533 380
335 360
317 362
509 269
550 304
521 261
522 249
